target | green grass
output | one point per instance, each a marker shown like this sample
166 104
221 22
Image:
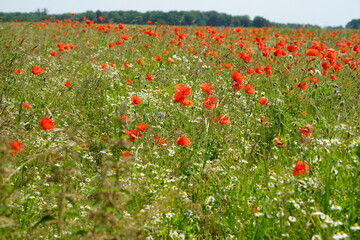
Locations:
232 182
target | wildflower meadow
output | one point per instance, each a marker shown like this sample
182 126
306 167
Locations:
115 131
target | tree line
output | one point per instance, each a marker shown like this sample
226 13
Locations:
197 18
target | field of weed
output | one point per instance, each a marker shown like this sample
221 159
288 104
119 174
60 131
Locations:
113 131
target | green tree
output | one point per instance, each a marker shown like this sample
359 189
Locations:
215 19
173 18
353 24
90 15
241 21
260 22
114 17
98 13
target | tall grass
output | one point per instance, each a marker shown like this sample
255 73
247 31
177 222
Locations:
233 181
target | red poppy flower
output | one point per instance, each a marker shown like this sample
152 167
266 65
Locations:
142 127
46 123
301 167
268 71
15 147
206 87
210 102
244 56
239 30
263 101
249 89
18 71
187 102
278 142
157 58
133 134
325 65
221 119
228 65
54 54
37 70
118 42
178 97
126 154
135 100
127 65
181 92
314 80
255 210
121 26
258 70
291 48
182 89
309 127
149 77
337 66
25 105
67 84
111 64
265 53
301 85
125 37
280 52
250 71
307 130
330 53
312 52
160 141
183 140
236 76
124 119
237 86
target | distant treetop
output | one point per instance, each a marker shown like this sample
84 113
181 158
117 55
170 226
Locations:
197 18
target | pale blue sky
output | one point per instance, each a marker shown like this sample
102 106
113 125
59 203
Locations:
320 12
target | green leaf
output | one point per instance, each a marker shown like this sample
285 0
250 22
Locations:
52 169
77 233
72 215
100 227
3 208
357 151
7 187
110 209
45 218
55 188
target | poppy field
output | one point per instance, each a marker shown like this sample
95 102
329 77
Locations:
115 131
